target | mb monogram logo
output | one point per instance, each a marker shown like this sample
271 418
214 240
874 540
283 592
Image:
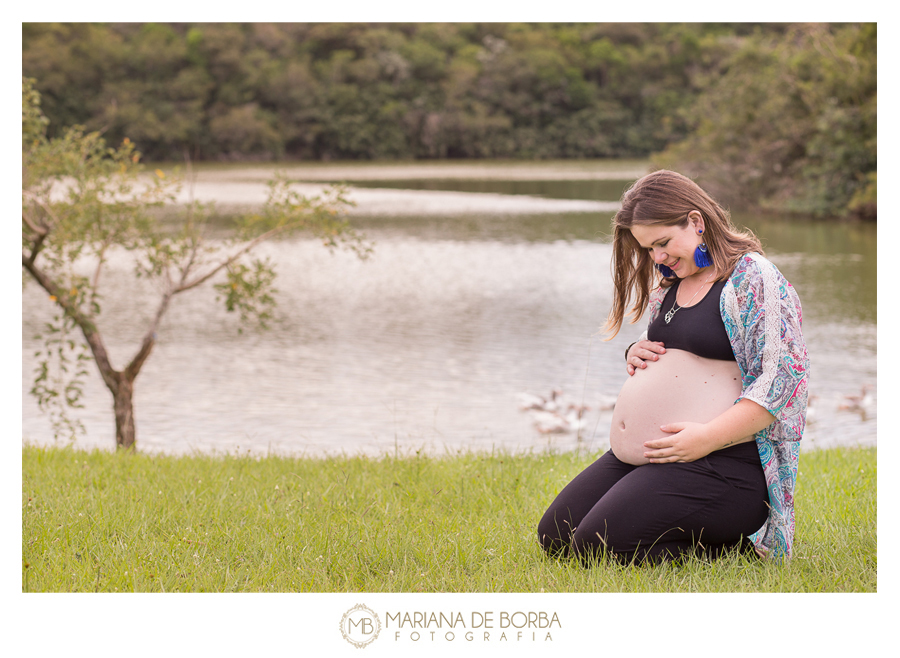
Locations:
360 626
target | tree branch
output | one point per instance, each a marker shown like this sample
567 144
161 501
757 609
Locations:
195 246
37 230
100 252
228 261
46 207
36 244
109 374
41 230
133 368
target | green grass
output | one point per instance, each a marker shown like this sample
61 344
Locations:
97 521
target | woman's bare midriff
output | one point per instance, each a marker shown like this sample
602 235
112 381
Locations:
679 387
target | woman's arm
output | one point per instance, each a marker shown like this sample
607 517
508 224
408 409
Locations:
688 442
764 320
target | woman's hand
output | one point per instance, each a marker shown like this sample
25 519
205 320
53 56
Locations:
641 352
686 442
689 442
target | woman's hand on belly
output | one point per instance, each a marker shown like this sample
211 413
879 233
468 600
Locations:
691 441
686 442
641 352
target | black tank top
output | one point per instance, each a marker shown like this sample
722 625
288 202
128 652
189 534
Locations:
697 329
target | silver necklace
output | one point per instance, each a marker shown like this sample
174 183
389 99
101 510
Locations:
675 307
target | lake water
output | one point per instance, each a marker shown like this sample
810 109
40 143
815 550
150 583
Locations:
486 281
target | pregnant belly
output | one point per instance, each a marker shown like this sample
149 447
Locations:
679 387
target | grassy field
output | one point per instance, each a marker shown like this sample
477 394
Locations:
96 521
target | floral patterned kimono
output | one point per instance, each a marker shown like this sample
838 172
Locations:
762 316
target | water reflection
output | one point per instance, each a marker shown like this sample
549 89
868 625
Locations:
599 190
501 228
834 264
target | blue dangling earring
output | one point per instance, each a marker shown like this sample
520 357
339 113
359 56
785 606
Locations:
701 254
665 271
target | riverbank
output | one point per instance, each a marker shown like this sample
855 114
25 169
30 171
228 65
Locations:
239 186
355 170
98 521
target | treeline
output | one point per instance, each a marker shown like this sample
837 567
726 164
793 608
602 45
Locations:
789 124
446 90
350 91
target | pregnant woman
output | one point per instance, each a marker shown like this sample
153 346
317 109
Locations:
705 437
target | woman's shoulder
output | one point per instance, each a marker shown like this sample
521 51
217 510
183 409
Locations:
756 279
750 260
753 266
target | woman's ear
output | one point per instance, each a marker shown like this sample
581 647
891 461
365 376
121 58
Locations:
696 220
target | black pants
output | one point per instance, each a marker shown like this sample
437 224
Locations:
659 511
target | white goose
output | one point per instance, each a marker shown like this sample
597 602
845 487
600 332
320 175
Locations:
859 402
549 422
530 401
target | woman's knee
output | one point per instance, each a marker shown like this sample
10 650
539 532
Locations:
598 539
554 532
593 548
591 542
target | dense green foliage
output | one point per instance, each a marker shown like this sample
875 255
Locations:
327 91
96 521
777 116
790 124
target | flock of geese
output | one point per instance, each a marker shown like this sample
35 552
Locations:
559 414
860 403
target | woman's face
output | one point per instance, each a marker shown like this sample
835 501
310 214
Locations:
672 246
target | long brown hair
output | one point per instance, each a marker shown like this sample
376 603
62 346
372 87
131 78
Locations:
666 198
